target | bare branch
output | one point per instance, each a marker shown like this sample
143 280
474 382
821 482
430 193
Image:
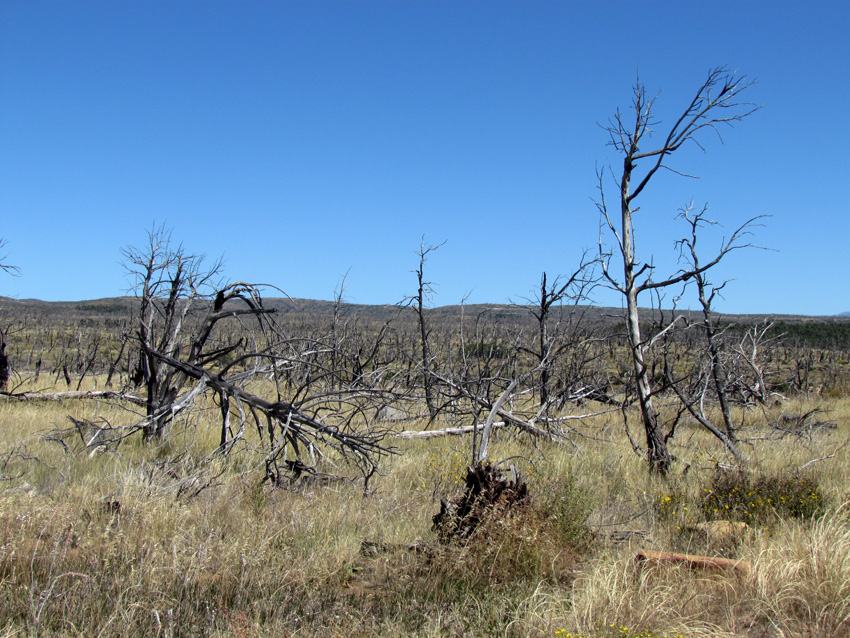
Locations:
716 102
8 268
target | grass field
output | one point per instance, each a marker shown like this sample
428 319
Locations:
171 539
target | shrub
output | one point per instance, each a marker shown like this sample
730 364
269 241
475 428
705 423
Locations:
761 499
673 504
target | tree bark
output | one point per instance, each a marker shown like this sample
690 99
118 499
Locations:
657 453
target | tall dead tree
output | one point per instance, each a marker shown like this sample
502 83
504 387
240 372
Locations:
716 103
5 369
419 302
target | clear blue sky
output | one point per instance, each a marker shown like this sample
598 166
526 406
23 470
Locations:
304 140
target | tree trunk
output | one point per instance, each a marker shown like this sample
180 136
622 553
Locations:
656 448
5 368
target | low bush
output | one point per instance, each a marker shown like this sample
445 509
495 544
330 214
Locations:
755 499
761 499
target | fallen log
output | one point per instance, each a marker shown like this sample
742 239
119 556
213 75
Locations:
653 557
63 396
457 431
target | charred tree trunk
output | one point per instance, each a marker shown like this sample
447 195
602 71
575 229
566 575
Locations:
423 293
5 368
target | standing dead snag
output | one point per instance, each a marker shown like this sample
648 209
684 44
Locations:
750 385
423 293
168 281
5 368
554 341
715 375
716 102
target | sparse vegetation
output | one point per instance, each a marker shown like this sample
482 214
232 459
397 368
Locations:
202 461
173 539
764 499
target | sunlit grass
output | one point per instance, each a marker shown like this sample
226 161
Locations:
172 539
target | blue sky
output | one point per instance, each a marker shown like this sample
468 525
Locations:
304 140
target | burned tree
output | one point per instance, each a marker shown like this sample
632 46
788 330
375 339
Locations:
5 367
716 103
169 282
419 302
713 377
197 337
551 342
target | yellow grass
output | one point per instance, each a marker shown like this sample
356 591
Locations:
173 540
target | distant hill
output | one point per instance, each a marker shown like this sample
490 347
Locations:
126 306
831 332
93 307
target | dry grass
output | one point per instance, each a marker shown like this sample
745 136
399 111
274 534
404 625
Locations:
176 541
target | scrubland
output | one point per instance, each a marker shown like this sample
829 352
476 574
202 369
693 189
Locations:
172 539
194 525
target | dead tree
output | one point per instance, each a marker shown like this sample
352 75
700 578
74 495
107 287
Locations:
5 367
717 377
717 102
197 338
477 370
296 429
174 286
748 381
550 341
419 302
314 408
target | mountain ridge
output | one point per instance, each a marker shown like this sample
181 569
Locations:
115 305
